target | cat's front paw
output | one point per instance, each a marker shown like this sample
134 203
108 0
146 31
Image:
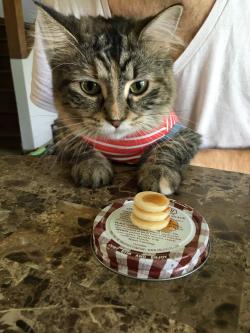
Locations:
94 172
159 178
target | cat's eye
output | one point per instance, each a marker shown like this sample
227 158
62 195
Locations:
138 87
90 87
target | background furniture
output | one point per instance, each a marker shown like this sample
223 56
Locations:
34 123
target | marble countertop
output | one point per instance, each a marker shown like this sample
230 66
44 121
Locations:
51 282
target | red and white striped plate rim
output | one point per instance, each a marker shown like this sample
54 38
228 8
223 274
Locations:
161 266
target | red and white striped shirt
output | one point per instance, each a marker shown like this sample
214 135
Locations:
131 148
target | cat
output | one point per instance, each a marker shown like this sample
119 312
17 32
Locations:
113 79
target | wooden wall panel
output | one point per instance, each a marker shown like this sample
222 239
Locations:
9 125
13 14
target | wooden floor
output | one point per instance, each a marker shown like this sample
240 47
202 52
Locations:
237 160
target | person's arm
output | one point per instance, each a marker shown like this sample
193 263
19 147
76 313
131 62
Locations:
194 14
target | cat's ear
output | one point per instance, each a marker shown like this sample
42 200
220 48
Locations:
161 30
54 30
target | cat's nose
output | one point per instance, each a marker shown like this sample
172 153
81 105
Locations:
116 123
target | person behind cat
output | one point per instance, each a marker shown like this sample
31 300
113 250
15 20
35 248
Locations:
212 66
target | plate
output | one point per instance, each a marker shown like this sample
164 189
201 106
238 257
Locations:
176 251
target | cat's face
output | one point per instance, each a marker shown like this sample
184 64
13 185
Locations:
111 77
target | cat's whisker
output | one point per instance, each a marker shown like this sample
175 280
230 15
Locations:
75 150
81 151
69 126
64 137
182 119
70 146
65 63
82 123
77 153
53 113
67 140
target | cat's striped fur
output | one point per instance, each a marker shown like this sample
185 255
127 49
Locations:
114 53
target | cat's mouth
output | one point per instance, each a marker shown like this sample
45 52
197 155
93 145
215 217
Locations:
128 127
113 132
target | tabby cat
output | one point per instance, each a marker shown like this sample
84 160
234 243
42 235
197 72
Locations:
113 81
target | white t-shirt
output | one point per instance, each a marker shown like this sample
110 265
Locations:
212 74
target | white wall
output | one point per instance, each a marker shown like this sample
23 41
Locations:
35 123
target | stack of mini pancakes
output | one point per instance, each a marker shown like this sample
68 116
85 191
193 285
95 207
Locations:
150 211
